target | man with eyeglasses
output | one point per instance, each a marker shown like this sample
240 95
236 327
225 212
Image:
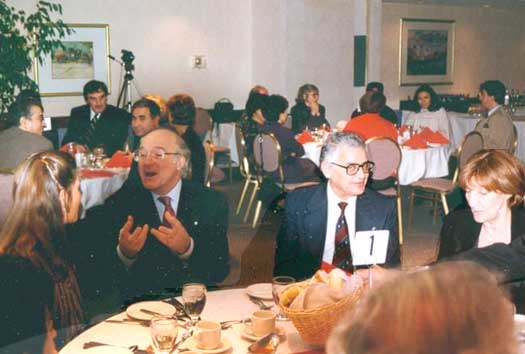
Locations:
321 220
172 230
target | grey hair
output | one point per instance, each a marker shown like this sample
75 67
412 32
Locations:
182 149
337 139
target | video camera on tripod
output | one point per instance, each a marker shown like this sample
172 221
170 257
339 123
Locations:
128 57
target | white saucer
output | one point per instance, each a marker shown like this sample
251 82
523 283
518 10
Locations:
260 290
133 311
252 337
224 346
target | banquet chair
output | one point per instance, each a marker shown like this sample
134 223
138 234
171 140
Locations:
268 159
386 155
438 188
515 140
246 171
223 150
210 157
6 190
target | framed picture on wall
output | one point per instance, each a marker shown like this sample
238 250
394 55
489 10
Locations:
426 52
84 57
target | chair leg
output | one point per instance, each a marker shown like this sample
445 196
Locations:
250 202
399 220
444 201
256 215
243 194
230 167
411 209
435 200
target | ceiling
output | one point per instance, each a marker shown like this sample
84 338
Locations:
506 4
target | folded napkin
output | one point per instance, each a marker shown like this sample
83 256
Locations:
426 134
96 173
327 267
438 138
305 137
416 142
120 159
317 295
403 129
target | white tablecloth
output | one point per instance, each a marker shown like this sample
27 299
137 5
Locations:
221 305
415 164
96 190
224 135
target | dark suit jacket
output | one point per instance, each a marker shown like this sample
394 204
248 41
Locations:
300 242
198 156
302 118
204 214
111 129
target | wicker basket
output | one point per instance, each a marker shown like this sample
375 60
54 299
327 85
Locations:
314 325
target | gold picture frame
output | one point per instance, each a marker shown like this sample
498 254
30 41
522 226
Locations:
426 51
84 57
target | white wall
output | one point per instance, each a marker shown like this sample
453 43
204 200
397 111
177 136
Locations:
490 44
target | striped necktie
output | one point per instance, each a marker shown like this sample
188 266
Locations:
168 209
90 133
342 255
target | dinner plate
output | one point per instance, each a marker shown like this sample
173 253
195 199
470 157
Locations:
133 311
106 349
246 333
260 290
224 346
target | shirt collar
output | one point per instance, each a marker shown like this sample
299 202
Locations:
174 194
333 198
493 110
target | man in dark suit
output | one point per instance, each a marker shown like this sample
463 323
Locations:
173 230
320 220
98 123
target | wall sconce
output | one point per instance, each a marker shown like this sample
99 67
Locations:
198 61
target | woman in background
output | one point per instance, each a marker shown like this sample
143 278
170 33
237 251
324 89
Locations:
40 292
453 308
429 112
307 112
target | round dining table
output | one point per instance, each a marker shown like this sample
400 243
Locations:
98 184
221 305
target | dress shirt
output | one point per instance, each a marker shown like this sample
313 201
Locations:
174 194
333 215
493 110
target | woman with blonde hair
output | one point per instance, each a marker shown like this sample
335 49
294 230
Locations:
40 292
453 308
308 113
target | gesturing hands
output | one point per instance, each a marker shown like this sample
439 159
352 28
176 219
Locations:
131 243
175 237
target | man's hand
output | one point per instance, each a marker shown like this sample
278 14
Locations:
175 237
131 243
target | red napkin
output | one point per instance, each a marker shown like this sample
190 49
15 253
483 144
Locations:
120 159
305 137
96 173
416 142
327 267
426 134
438 138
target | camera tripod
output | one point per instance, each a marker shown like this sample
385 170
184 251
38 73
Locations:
124 97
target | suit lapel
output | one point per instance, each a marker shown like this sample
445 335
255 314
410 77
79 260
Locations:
365 213
314 222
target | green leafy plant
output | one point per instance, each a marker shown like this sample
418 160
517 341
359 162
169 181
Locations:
22 38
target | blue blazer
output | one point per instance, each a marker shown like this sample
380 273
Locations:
300 242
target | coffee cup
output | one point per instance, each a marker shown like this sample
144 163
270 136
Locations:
261 323
208 334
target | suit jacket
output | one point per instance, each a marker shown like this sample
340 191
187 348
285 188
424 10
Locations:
496 130
300 242
204 214
16 145
111 129
198 155
302 118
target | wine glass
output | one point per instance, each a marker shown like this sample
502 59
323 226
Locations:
278 285
194 297
163 333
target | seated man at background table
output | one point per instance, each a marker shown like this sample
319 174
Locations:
24 136
172 230
321 220
145 117
497 127
97 122
385 112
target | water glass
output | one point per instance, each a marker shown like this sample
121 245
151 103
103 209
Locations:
163 333
194 297
278 285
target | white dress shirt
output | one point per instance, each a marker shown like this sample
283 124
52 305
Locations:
334 211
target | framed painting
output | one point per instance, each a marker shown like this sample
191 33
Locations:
83 57
426 52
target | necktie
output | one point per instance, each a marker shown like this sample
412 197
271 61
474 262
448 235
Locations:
168 209
342 255
90 133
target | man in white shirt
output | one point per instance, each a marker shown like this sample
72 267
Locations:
321 220
497 127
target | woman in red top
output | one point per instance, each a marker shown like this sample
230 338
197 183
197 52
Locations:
370 124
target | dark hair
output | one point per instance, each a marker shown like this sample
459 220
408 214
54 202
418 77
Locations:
375 85
372 102
435 102
305 89
275 105
494 88
255 101
22 108
154 109
94 86
29 93
182 109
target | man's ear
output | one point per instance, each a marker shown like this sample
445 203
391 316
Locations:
326 169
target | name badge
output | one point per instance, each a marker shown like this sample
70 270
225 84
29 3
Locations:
370 247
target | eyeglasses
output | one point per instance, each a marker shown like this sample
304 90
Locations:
157 154
353 168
